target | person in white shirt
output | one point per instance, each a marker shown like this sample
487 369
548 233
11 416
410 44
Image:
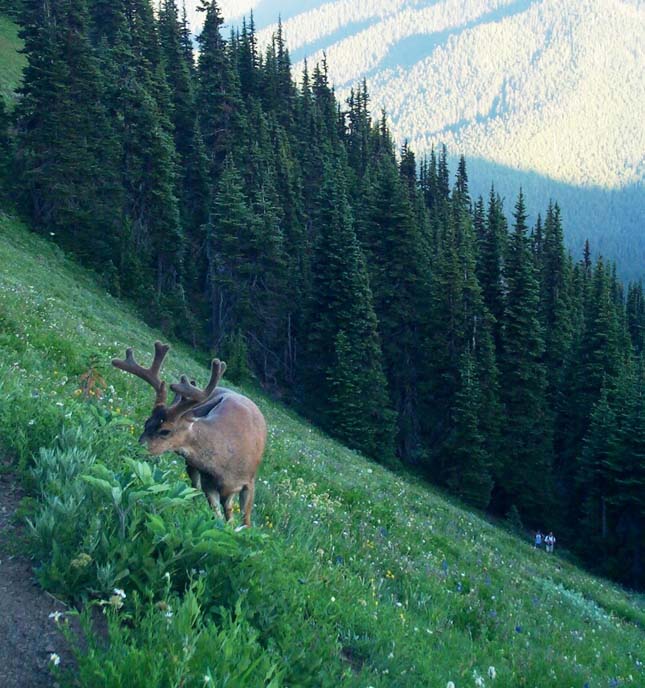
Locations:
549 541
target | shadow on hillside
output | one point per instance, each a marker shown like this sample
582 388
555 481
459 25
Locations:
612 219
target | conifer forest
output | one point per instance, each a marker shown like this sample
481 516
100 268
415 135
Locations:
248 211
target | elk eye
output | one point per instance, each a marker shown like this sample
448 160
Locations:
163 433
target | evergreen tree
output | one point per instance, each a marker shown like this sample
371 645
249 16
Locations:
555 303
490 263
527 435
592 476
465 457
636 316
596 360
232 242
66 153
346 389
219 101
187 40
5 146
398 268
626 474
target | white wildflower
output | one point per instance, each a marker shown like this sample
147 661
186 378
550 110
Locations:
56 615
450 684
491 672
54 658
119 592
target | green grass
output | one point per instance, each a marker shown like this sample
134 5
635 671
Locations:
11 61
352 576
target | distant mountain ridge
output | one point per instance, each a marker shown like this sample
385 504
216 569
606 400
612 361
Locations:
549 91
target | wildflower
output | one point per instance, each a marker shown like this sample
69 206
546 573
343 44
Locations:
491 672
168 614
55 616
82 561
115 601
207 679
479 682
450 684
518 629
333 599
54 658
119 592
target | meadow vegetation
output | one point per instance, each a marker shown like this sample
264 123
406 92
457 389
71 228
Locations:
11 61
353 575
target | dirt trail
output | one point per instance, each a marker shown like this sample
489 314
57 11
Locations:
27 635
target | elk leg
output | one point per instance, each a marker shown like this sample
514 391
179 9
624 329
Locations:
194 475
212 493
227 505
246 502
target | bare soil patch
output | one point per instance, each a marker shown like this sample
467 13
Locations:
28 637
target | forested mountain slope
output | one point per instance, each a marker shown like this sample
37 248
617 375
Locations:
286 232
544 94
352 574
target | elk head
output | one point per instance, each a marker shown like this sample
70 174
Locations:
169 426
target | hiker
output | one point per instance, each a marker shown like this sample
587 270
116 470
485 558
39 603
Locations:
538 539
549 541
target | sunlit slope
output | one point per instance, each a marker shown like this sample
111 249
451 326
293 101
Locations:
413 589
11 61
543 94
544 85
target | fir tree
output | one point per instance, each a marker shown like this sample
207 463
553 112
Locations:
490 262
466 462
592 475
398 268
527 435
219 101
555 301
5 146
636 316
346 389
625 467
66 154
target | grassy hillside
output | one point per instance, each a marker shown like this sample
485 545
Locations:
11 61
352 576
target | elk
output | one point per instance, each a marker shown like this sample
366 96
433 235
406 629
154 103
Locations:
221 434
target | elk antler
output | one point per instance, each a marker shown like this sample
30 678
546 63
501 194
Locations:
151 374
188 395
189 390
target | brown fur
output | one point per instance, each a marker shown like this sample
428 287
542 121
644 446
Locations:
221 436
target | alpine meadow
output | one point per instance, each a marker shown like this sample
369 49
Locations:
438 382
